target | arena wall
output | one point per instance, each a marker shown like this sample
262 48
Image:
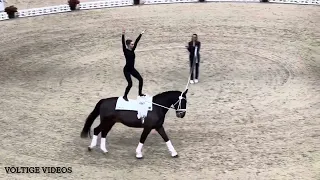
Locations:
120 3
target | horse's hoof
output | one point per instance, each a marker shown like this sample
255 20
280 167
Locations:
89 149
175 156
105 153
139 156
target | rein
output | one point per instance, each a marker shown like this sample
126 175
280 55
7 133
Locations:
181 97
179 101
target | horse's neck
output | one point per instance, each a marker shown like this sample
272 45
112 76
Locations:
166 99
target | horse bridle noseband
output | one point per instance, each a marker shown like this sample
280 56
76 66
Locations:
178 110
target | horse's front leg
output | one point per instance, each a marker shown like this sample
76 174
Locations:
143 138
164 136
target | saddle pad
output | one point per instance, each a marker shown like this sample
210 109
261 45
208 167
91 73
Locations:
133 104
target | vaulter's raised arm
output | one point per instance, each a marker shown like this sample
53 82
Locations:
123 42
136 42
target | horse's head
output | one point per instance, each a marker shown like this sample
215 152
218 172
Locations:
181 104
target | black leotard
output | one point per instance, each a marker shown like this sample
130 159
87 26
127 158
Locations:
129 69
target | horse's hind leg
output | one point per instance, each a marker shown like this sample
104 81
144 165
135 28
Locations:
164 136
105 130
96 132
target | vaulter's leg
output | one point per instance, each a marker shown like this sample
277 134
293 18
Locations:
94 140
143 138
127 75
164 136
105 130
137 75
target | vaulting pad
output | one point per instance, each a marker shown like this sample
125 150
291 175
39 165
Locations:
142 105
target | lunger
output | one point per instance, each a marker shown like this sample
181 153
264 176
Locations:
128 70
194 58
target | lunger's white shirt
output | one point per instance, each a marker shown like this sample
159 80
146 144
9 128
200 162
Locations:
195 53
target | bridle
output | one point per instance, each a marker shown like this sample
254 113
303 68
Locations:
179 110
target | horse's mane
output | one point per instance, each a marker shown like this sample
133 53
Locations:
167 92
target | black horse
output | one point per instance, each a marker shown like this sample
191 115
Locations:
154 120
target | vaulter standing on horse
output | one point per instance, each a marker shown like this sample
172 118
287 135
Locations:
128 49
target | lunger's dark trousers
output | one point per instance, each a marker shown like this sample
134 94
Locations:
196 69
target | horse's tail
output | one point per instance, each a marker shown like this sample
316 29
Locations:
90 119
